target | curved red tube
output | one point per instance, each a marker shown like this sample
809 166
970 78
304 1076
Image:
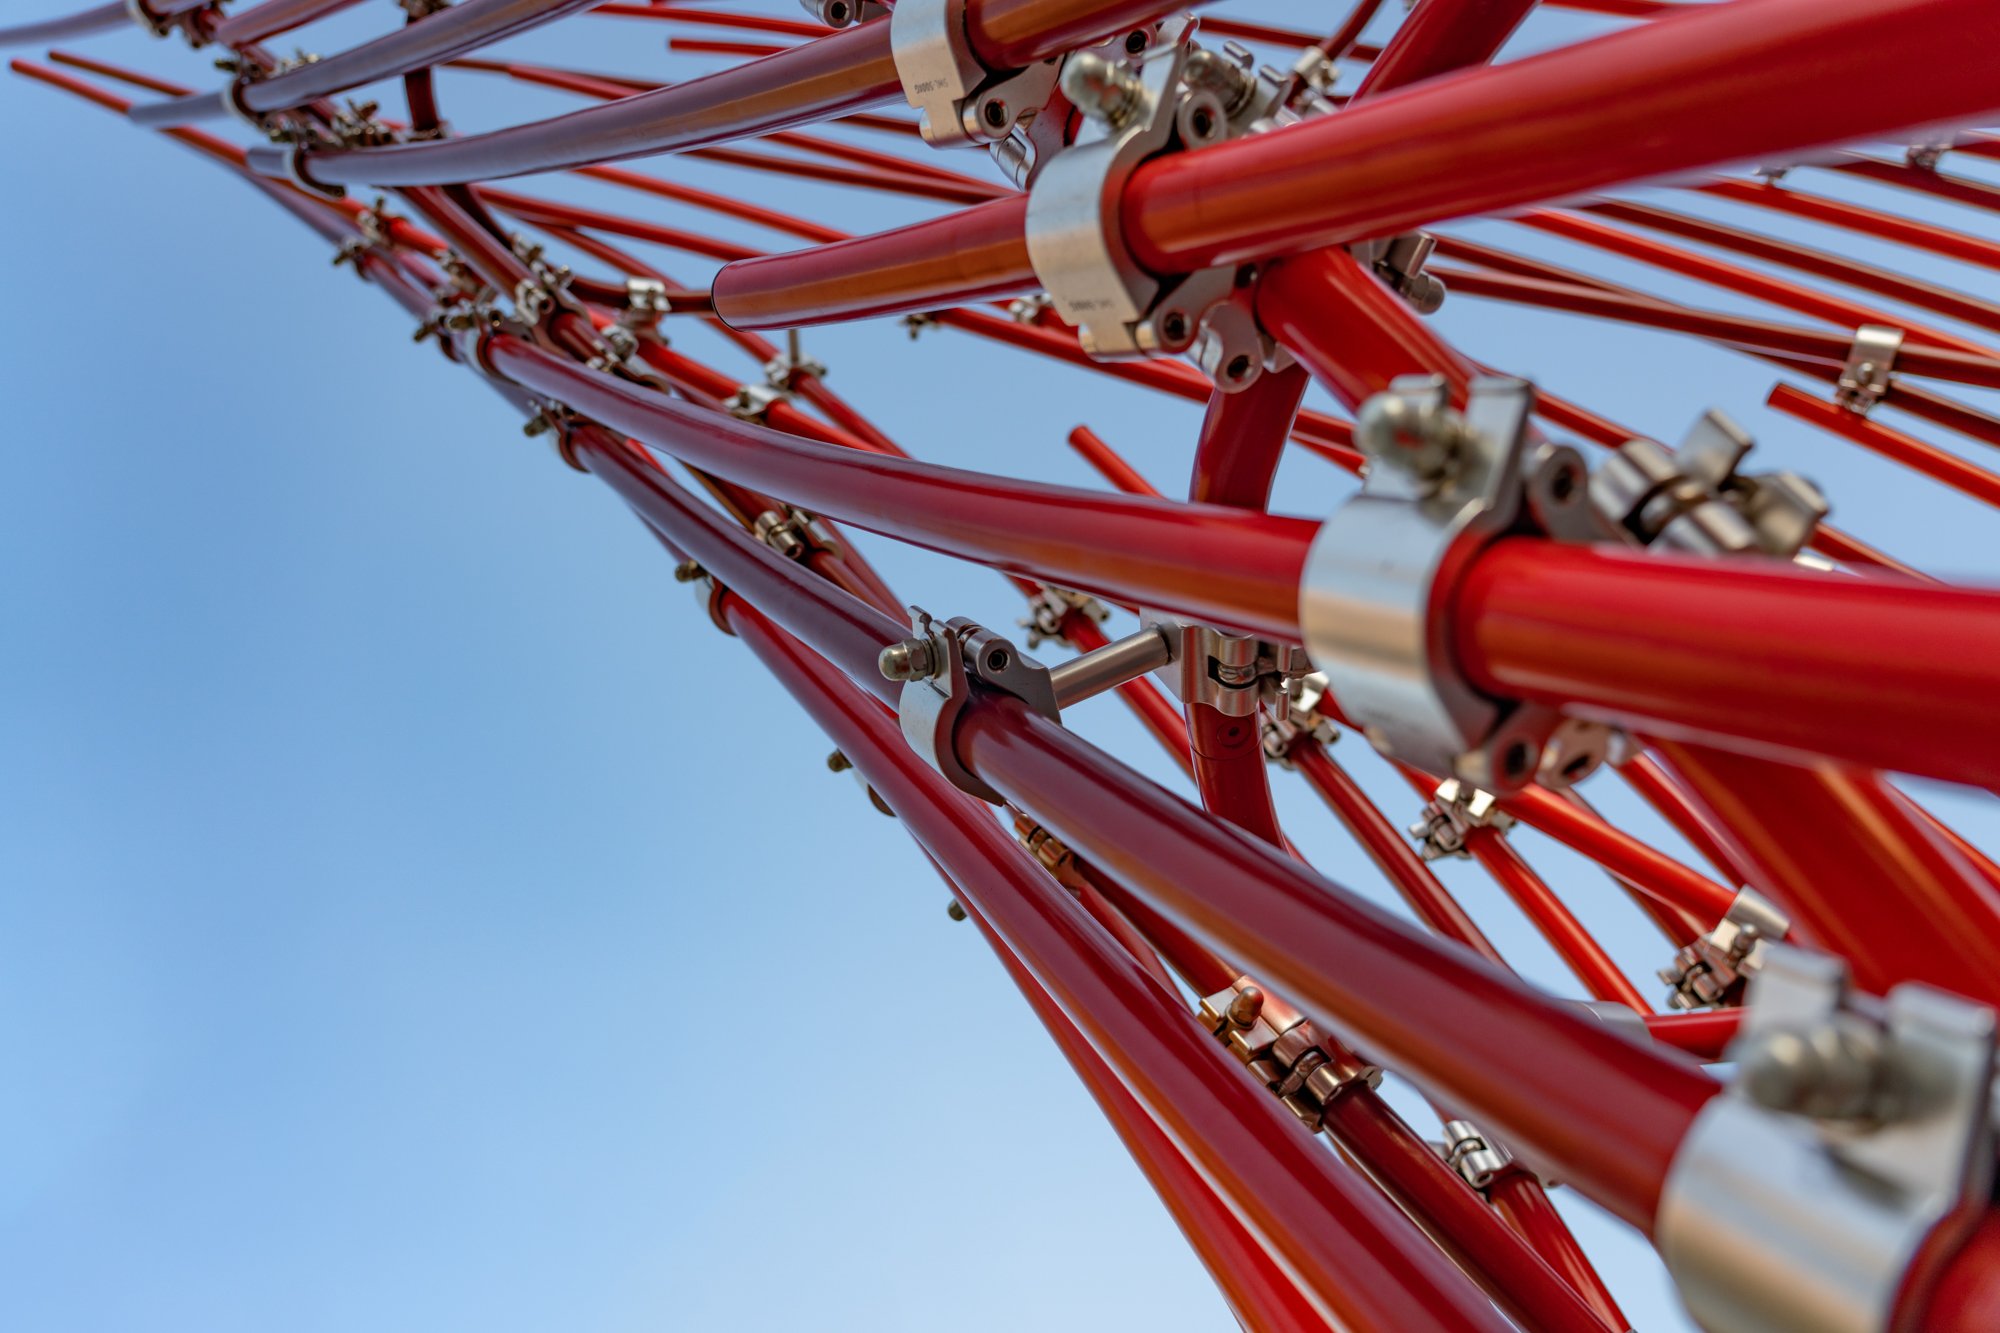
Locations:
99 18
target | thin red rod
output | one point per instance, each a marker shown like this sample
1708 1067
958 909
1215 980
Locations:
1856 866
714 18
1609 1111
1774 658
1351 1248
1259 1292
1520 1199
1652 872
1440 36
1223 566
1390 851
1868 277
1911 452
273 18
1866 221
1601 977
1664 793
840 72
99 18
1703 1035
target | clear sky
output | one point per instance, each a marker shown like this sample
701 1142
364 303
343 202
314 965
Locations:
416 917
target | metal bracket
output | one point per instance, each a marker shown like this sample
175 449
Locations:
1439 487
782 371
943 667
1295 718
793 533
1479 1160
1871 358
1399 261
753 402
645 302
1450 817
1697 499
1854 1147
1713 971
957 98
1231 673
1924 156
1049 608
1283 1051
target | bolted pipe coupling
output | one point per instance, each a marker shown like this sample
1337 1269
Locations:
1441 486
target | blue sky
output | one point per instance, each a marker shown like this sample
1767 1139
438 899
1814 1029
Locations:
417 917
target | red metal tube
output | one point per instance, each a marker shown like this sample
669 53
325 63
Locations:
1013 34
1911 452
1223 566
975 254
1390 851
1735 278
1965 1298
1705 1036
1601 977
1440 36
1868 277
1856 868
1351 1249
99 18
1633 105
1609 1111
1348 327
1412 1173
1866 221
1652 872
1754 654
1664 793
1521 1200
273 18
1115 469
840 72
714 18
1260 1293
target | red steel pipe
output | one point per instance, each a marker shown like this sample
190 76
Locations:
1633 105
1520 1199
1652 872
1865 221
1259 1293
1856 866
274 17
1578 948
840 72
1705 1036
98 18
1755 654
1390 851
1607 1110
1351 1249
1911 452
1440 36
1222 566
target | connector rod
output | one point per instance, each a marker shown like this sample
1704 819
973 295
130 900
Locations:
1107 668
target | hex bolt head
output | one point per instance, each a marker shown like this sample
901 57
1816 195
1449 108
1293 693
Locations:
912 659
1101 89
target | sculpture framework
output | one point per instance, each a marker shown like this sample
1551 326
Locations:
1519 598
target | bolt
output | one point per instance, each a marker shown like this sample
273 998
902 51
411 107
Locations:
912 659
1830 1071
1101 89
538 424
687 571
1243 1010
838 762
955 910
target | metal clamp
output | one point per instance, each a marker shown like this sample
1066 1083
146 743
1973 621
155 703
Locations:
1295 719
782 371
1871 358
942 668
646 300
1854 1146
1698 500
1051 607
957 98
753 402
1712 971
1440 486
1399 261
1479 1160
1283 1050
711 592
1231 673
1449 818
